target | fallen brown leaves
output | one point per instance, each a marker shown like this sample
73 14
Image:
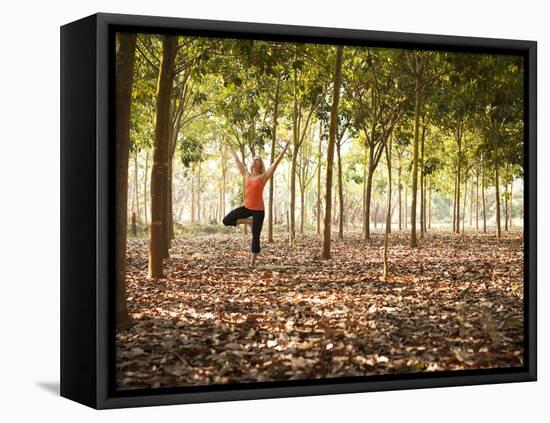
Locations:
454 303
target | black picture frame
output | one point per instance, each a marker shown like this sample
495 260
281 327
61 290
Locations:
87 219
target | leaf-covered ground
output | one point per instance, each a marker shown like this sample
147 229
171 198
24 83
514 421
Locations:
454 303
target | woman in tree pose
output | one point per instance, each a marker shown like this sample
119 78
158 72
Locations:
252 213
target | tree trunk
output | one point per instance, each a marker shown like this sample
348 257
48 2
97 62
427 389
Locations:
224 184
125 59
477 201
287 221
465 198
497 197
292 232
165 248
511 202
368 196
413 241
340 193
506 207
406 208
170 201
295 142
145 188
484 210
325 254
199 217
302 208
132 188
454 203
422 187
388 211
471 204
136 185
365 205
335 202
399 189
272 159
430 205
193 196
458 165
319 167
162 131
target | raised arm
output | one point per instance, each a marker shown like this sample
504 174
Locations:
271 170
240 165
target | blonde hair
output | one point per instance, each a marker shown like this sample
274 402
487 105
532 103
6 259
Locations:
262 166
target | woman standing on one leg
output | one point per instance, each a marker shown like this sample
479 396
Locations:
253 210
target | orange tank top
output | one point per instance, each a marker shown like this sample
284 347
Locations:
253 193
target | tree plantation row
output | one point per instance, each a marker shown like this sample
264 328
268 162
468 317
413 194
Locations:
377 136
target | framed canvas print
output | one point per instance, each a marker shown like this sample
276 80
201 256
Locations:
256 210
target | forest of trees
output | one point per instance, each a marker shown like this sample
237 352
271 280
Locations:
380 139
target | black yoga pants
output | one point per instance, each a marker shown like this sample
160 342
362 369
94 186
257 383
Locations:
257 223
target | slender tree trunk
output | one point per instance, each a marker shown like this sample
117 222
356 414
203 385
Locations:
295 142
511 203
413 241
162 131
477 201
422 186
459 162
165 248
224 183
484 210
406 208
430 205
465 198
365 205
302 208
319 168
125 60
287 221
325 250
388 211
136 185
272 159
497 197
133 190
424 207
368 196
454 202
506 207
292 233
170 201
193 196
399 189
334 203
199 214
340 193
471 204
145 187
